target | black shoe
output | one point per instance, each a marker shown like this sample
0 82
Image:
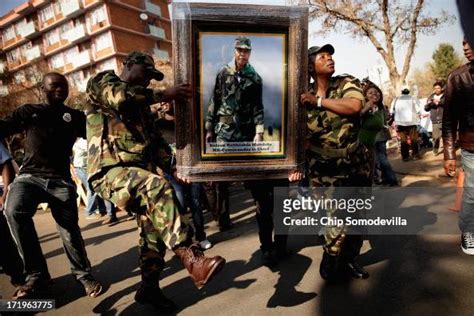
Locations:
112 219
154 296
226 227
356 271
406 159
33 289
268 259
328 269
92 287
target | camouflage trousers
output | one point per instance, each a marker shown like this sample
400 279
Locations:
340 178
151 197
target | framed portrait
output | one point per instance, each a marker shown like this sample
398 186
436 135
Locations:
247 66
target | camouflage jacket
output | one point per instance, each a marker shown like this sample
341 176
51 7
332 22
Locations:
120 126
235 111
328 129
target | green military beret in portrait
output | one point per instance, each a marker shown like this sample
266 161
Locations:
243 42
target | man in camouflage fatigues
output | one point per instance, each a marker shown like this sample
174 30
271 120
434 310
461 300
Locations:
124 151
235 111
335 157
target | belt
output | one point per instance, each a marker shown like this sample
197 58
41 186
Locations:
335 153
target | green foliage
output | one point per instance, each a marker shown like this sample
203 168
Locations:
445 60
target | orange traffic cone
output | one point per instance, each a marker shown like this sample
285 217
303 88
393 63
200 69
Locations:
459 190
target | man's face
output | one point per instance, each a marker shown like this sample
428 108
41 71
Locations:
324 64
56 89
437 90
467 50
242 57
139 75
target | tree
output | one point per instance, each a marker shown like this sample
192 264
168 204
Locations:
445 60
385 23
424 79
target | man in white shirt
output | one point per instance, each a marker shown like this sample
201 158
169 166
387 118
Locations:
407 115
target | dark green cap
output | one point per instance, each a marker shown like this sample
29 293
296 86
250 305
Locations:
141 58
325 48
243 42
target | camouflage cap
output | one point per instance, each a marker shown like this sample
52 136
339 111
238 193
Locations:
141 58
325 48
243 42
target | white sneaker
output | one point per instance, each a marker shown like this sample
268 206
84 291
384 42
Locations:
467 243
205 244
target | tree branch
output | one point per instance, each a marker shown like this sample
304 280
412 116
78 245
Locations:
413 36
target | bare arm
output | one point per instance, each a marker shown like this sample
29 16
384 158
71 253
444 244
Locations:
8 174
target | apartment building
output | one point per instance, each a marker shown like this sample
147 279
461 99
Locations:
79 37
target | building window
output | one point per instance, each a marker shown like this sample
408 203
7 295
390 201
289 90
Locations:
65 28
8 33
52 37
109 64
70 55
97 16
46 13
103 41
76 79
13 56
57 61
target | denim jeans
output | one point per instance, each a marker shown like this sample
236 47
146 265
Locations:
26 192
388 175
466 216
93 198
190 195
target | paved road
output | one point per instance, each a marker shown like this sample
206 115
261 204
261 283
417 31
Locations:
410 275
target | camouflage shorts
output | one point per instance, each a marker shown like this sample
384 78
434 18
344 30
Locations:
151 198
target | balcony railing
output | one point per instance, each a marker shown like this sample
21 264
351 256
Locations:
160 54
81 59
157 31
75 33
70 7
3 90
152 8
27 29
33 53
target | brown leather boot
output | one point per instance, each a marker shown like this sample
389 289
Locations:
200 267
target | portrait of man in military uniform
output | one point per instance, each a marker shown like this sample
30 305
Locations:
242 102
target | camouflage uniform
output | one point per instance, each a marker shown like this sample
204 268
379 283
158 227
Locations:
235 111
336 158
124 151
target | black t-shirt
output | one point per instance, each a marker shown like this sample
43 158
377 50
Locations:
50 134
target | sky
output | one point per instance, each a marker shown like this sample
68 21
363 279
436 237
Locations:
357 57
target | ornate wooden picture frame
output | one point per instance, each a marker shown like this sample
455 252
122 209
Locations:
206 38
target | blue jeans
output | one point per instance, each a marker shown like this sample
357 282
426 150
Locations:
25 193
466 216
388 175
92 197
190 195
